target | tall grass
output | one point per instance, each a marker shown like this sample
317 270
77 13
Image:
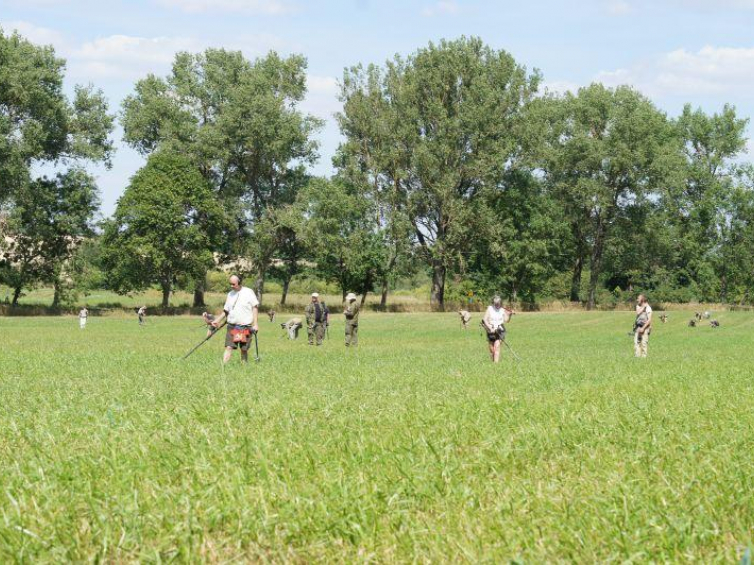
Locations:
411 448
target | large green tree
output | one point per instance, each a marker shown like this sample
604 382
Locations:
39 124
239 123
524 243
49 220
429 132
339 235
734 260
45 218
166 225
699 209
608 150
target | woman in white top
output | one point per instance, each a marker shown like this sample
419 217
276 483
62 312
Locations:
494 322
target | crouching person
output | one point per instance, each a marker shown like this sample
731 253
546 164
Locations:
241 311
465 318
292 326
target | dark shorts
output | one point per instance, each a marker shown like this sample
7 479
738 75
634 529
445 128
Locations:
229 340
496 336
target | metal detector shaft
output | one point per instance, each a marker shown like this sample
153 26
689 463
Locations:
511 350
205 340
256 347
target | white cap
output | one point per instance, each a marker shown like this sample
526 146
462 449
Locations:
315 295
350 296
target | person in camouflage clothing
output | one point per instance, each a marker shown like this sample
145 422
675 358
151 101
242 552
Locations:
317 316
351 312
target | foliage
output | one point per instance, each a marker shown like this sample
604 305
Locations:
429 132
48 221
165 225
238 122
339 234
38 124
608 151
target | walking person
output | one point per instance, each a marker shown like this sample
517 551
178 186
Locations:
241 311
142 313
317 320
642 326
494 322
83 315
351 312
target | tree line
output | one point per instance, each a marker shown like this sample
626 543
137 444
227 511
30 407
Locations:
455 164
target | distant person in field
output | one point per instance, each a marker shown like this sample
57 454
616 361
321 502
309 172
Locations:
208 319
664 318
317 318
494 322
241 311
465 318
271 314
292 326
83 315
142 313
706 314
692 323
714 324
351 312
642 326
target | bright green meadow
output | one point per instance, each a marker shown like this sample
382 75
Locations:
412 448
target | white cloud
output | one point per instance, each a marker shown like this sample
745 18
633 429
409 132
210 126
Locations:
263 7
36 34
442 8
124 56
710 70
130 57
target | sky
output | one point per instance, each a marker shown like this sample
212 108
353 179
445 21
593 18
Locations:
674 51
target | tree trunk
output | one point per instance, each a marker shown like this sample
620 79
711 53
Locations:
363 298
16 295
166 287
200 286
576 278
56 296
259 286
596 264
286 284
437 298
383 298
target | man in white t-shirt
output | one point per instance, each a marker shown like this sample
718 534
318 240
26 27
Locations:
494 322
642 326
241 310
83 315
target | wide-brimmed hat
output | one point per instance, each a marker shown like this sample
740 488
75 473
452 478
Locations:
350 296
315 295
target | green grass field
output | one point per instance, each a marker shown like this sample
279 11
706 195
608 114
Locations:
412 448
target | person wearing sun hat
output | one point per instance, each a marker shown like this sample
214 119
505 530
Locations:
351 312
316 319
